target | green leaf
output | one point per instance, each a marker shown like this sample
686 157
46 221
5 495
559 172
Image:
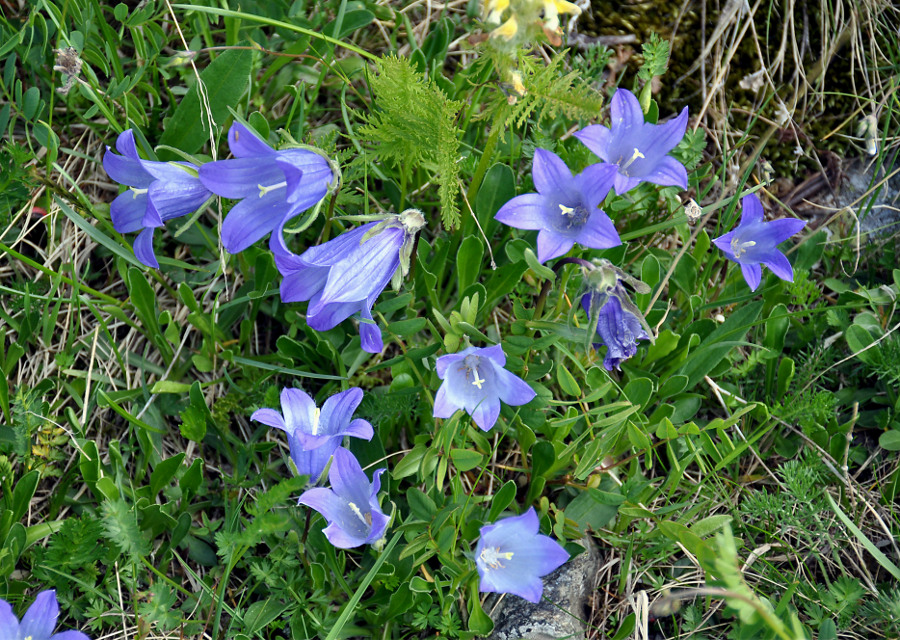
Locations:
544 272
716 345
468 262
226 80
870 547
497 188
465 459
23 492
673 385
420 505
639 391
352 21
567 381
169 386
164 472
502 499
890 440
594 509
120 527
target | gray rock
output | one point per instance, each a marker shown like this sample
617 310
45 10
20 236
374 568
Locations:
878 213
569 588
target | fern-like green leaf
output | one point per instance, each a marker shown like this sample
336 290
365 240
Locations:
121 528
414 125
549 92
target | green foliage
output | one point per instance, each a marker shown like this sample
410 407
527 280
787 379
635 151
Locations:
413 124
550 93
656 58
121 528
126 393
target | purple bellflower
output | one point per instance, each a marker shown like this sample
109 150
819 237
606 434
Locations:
272 186
347 274
619 322
314 434
511 556
566 209
475 381
756 241
638 149
158 191
351 504
37 623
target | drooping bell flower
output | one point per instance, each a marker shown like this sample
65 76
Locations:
512 555
158 191
38 621
638 149
272 186
619 322
351 504
566 208
755 242
314 434
347 274
475 381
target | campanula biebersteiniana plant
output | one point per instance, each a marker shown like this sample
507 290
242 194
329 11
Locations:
638 149
351 504
476 382
511 556
566 209
314 434
755 242
158 191
347 274
272 186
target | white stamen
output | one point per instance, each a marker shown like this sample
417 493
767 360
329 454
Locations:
263 190
315 422
492 556
359 514
739 248
637 154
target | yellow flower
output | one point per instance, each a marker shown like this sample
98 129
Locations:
507 30
494 9
552 9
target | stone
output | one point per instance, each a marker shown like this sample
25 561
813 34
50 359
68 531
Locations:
560 613
878 216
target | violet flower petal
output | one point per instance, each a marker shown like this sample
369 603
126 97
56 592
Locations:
752 274
550 173
40 618
143 248
523 212
127 211
9 623
550 245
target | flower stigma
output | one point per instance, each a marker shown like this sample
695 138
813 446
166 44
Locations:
491 556
470 364
263 190
136 192
637 154
365 518
315 421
